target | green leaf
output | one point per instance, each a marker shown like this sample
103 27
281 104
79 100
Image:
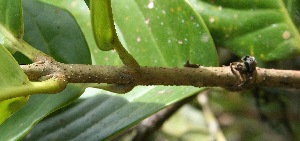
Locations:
105 115
87 2
11 16
259 28
11 77
54 31
81 14
164 33
148 41
9 106
38 107
11 73
293 7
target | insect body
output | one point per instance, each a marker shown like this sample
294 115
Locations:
246 69
249 63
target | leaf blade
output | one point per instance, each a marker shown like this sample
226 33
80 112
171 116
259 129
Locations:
38 107
170 33
115 114
29 115
142 101
12 76
13 17
61 39
268 30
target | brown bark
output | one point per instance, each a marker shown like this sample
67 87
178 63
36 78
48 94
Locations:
198 77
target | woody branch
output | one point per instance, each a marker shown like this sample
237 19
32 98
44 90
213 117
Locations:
183 76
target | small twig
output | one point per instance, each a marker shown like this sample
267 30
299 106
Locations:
129 62
50 81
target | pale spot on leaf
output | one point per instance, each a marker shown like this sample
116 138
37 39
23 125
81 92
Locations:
180 42
212 19
286 35
147 21
151 5
138 39
220 8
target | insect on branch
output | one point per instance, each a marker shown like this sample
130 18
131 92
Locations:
246 69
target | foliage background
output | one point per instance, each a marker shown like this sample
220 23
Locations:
268 30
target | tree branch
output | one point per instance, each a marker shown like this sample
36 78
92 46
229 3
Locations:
198 77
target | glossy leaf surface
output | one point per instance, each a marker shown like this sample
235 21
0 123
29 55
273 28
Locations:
147 40
38 107
170 33
13 17
54 31
259 28
60 37
12 20
103 116
12 77
57 131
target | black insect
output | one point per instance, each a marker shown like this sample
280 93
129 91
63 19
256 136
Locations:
246 69
249 63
